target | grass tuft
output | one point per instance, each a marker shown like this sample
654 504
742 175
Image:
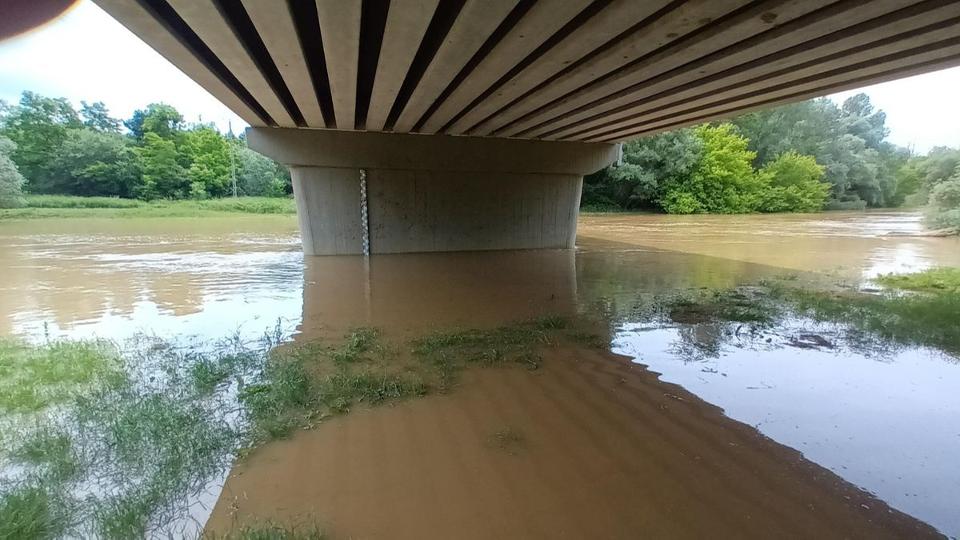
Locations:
355 345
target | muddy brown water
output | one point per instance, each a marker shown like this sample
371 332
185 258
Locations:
735 440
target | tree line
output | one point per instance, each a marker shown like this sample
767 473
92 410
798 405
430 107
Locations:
804 157
49 147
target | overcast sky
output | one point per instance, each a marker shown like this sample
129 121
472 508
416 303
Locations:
86 55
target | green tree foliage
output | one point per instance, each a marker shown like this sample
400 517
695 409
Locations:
944 209
96 116
210 160
792 183
11 180
649 165
847 140
161 173
61 151
702 169
723 181
95 163
158 118
258 175
38 126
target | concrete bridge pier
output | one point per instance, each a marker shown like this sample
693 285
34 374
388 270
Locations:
401 193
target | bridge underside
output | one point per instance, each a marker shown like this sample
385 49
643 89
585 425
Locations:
581 71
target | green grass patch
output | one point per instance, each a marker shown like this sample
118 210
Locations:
934 280
35 377
29 511
51 451
355 345
300 385
64 206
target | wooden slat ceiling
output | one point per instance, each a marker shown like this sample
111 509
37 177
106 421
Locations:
601 70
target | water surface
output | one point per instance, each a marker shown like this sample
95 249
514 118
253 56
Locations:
885 420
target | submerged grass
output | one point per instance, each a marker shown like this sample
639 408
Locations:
300 385
30 511
919 320
35 377
51 450
928 320
121 438
933 280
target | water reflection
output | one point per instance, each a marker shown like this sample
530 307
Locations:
411 294
883 419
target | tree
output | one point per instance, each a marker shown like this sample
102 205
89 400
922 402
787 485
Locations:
96 163
162 175
858 117
96 116
648 165
723 181
38 126
800 127
11 181
944 209
848 141
938 165
158 118
258 175
793 184
209 171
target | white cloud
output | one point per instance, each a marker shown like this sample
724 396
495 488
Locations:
86 55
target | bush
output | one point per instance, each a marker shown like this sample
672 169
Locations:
723 181
794 184
944 209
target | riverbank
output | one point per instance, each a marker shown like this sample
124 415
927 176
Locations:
64 206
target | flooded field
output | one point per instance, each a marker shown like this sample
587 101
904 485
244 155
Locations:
654 410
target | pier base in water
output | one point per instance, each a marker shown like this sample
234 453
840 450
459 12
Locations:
398 193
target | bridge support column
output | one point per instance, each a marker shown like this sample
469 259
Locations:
431 192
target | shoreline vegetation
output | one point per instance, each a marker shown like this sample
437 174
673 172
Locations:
69 206
87 446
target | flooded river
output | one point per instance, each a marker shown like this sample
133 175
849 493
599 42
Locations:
679 428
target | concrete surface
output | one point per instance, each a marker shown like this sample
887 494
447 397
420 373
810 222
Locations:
432 192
